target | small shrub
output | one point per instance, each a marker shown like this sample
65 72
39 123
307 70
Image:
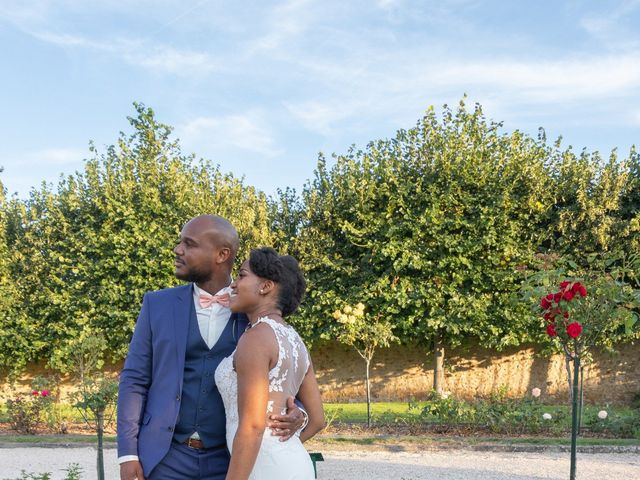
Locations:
331 418
57 418
502 415
25 413
73 473
29 412
449 410
54 416
499 414
625 426
32 476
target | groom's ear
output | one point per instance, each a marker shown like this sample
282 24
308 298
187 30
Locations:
223 255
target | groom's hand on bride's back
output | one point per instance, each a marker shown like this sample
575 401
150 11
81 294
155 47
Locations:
131 470
284 426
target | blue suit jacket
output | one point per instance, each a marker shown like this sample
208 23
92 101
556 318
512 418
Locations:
151 380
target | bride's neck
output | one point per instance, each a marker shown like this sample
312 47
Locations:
267 310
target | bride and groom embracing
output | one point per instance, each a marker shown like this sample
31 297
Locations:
207 389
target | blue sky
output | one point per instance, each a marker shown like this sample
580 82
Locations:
260 87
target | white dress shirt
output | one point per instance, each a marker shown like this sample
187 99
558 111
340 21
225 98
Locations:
213 319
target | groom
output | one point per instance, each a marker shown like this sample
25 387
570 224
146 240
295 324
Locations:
171 420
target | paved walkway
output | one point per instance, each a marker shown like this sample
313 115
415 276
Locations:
354 464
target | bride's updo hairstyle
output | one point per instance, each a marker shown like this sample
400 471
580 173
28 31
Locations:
283 270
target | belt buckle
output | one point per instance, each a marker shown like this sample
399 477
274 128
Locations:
189 443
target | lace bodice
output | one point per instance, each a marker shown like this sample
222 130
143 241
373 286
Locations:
285 377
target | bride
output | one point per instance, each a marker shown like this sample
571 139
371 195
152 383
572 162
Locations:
269 365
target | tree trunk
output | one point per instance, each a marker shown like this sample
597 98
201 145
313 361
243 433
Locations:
368 394
567 360
574 416
438 366
581 402
100 425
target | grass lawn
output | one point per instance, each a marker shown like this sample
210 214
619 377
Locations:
56 439
389 411
357 412
346 423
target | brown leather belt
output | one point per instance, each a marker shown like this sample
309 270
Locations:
195 444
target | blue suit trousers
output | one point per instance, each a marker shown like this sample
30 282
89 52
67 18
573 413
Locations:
184 463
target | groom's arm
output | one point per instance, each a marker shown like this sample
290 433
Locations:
285 426
135 379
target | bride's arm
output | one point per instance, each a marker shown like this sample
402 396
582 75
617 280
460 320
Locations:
309 395
252 360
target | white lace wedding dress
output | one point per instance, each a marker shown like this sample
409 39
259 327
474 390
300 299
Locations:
276 460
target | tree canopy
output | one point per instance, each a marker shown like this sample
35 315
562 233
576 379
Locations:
434 230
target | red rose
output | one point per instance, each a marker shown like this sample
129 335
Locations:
35 393
552 314
544 303
568 295
582 291
575 287
45 393
574 329
565 284
551 330
557 297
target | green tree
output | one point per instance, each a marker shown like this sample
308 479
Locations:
431 226
96 401
629 213
85 253
586 204
7 297
286 215
594 309
26 332
365 333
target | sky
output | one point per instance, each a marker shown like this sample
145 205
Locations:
261 87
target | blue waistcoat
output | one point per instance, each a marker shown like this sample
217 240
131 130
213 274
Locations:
201 407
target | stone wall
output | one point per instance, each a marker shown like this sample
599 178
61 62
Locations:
405 373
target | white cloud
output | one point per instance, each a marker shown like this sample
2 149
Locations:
26 170
615 27
285 23
150 53
170 60
69 40
368 90
247 132
549 81
140 53
386 4
49 157
321 117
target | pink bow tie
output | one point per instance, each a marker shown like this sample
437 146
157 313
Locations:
207 300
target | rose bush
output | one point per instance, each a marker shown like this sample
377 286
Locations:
557 307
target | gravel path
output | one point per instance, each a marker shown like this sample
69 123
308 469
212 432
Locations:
370 465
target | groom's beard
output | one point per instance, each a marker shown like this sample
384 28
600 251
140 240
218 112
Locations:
194 275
